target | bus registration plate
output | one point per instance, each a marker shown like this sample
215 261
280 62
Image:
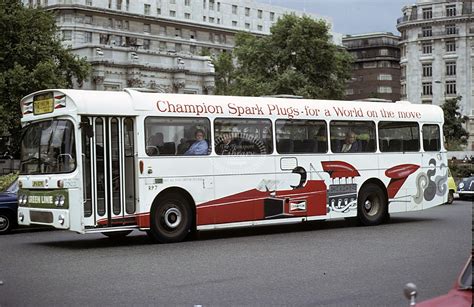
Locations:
43 106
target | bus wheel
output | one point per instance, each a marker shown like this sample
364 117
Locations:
450 197
170 218
6 222
371 205
117 234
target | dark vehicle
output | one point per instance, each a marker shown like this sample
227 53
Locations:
8 208
466 188
460 295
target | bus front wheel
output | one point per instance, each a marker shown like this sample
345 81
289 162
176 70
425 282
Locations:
170 218
371 205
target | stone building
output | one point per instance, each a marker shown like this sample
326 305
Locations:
376 68
156 44
437 54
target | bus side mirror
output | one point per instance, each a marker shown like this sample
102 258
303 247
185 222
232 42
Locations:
89 132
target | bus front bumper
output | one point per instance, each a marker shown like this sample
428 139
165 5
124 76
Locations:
58 218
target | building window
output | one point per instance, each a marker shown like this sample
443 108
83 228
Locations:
450 87
218 6
192 49
451 29
427 70
87 37
383 51
370 65
204 4
127 5
427 13
162 30
119 24
260 28
146 44
427 48
192 34
234 9
427 102
146 28
178 47
187 2
89 2
158 11
162 45
259 14
272 16
427 31
177 32
384 77
247 26
450 68
247 11
88 19
119 4
204 18
67 35
384 90
126 25
450 46
187 16
172 1
403 89
218 21
146 9
234 23
451 10
211 19
211 5
427 89
172 13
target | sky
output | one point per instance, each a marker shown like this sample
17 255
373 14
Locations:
352 16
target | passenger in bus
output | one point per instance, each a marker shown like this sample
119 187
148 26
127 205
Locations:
351 144
200 146
155 142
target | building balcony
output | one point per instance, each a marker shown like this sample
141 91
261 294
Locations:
438 34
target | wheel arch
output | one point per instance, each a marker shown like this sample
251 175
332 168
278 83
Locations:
185 194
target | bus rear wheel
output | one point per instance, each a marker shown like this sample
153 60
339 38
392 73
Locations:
371 205
170 219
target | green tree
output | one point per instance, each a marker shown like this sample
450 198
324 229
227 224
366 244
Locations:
224 73
297 58
31 58
453 129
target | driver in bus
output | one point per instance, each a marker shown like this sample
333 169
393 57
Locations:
200 146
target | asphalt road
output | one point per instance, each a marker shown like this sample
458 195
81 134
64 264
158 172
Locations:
334 263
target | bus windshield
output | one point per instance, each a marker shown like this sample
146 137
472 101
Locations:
48 147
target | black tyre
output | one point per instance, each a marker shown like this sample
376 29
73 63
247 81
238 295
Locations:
170 218
117 234
372 205
450 197
7 222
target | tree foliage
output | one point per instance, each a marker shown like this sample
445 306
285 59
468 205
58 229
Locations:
297 58
453 129
31 58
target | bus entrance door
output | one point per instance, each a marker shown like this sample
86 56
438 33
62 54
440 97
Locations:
109 174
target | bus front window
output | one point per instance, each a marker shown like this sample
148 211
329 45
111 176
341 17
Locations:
48 147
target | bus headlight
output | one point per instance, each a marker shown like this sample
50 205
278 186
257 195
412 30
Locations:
59 201
22 199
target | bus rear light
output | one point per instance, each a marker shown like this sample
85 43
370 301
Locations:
60 184
141 165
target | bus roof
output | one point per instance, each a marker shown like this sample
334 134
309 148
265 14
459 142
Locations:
132 102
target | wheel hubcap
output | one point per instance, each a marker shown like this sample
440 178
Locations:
3 223
172 217
371 206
